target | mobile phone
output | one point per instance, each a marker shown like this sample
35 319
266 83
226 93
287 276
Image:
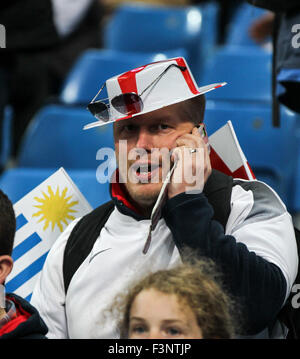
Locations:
203 133
156 211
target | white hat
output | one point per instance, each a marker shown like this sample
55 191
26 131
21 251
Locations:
153 86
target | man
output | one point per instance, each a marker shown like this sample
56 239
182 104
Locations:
246 231
18 319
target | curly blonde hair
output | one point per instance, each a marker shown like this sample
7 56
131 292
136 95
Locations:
196 285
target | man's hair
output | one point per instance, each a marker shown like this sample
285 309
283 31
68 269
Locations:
7 225
191 110
194 109
197 285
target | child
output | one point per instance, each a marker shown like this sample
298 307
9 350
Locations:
185 302
18 318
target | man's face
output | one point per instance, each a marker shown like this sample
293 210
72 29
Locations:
143 168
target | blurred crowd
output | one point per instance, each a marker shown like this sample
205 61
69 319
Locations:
44 40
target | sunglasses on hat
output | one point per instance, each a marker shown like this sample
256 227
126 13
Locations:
128 103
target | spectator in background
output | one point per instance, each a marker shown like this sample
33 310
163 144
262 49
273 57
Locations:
227 10
262 28
111 5
78 24
43 39
284 23
186 302
18 319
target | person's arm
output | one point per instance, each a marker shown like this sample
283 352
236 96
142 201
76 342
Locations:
258 255
49 294
262 28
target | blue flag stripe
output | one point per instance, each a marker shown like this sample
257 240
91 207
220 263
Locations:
26 245
28 298
21 221
26 274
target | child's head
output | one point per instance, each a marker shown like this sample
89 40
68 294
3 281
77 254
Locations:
155 315
7 235
183 302
7 225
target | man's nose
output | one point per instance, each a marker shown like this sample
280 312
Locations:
144 140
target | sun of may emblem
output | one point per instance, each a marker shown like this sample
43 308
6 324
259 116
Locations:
55 208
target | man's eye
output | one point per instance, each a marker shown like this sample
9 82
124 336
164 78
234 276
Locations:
163 126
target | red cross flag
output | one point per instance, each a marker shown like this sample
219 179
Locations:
226 154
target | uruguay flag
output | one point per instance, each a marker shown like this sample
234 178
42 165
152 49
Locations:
41 217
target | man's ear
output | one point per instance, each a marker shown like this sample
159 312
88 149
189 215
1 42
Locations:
6 265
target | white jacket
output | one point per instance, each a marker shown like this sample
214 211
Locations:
258 226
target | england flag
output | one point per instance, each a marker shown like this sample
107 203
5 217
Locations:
226 154
41 216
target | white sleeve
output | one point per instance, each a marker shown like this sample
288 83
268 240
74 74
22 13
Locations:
259 219
49 294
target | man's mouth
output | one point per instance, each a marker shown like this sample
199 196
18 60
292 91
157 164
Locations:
146 172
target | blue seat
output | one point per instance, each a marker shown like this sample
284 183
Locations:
55 138
6 136
270 151
17 182
94 67
238 31
247 71
247 102
144 28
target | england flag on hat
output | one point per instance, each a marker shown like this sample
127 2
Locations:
151 87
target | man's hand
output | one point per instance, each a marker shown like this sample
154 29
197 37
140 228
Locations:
193 168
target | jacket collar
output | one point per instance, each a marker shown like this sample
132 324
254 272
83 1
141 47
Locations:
121 199
26 323
217 189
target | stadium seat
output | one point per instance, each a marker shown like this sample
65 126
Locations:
6 136
94 67
55 138
270 151
17 182
247 71
247 102
144 28
238 31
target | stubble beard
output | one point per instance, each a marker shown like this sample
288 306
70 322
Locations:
143 197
